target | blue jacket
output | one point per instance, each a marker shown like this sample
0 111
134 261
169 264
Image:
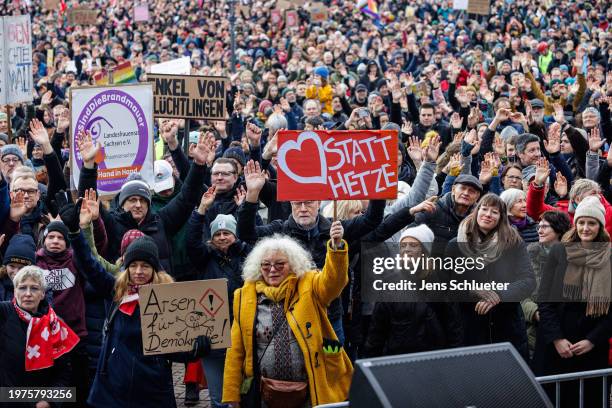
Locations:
125 376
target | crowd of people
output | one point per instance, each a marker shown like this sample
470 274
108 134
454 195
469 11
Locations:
504 128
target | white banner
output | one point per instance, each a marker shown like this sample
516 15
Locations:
179 66
16 82
120 119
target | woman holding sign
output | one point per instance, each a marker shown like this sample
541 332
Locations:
284 350
125 376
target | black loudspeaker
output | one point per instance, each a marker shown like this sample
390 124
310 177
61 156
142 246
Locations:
471 377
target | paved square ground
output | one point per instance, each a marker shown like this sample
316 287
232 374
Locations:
178 371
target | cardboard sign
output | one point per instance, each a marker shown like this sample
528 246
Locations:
318 13
51 4
283 5
189 96
276 18
291 19
141 12
337 165
16 81
478 7
179 66
120 119
173 315
82 16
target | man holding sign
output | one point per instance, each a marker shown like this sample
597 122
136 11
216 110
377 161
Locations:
305 223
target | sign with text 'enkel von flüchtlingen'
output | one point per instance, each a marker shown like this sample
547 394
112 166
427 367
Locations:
337 165
173 315
189 96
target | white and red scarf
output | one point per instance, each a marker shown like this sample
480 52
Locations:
48 338
130 301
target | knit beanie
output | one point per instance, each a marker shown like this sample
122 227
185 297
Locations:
591 207
421 233
142 249
129 237
511 196
134 188
58 226
4 137
11 149
223 222
237 154
323 72
21 250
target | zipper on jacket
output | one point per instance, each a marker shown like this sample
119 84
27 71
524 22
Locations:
309 357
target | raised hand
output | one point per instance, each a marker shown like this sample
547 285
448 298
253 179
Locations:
595 140
336 232
207 200
284 104
456 121
168 132
271 147
558 115
17 208
542 171
553 144
433 149
39 135
240 195
561 187
499 146
92 202
200 151
254 179
87 148
414 150
22 144
407 127
47 98
253 134
486 170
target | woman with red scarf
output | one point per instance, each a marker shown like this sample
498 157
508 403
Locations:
33 340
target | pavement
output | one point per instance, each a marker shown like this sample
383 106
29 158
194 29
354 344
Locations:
178 371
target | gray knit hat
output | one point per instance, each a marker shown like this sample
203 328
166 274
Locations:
11 149
591 207
223 222
134 188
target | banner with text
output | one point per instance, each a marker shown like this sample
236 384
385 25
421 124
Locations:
189 96
120 119
16 81
173 315
82 15
337 165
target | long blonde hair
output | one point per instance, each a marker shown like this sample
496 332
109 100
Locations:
122 283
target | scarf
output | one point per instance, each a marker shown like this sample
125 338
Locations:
48 338
519 223
587 276
489 250
130 301
280 292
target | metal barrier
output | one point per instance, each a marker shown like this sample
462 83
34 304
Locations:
580 376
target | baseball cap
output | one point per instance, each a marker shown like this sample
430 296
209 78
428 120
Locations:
164 180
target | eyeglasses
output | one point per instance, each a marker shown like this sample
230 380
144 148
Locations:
31 289
30 191
306 204
514 178
7 160
542 226
223 173
279 266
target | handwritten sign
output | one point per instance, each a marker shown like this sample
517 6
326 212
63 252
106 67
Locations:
478 7
189 96
17 83
173 315
318 13
291 18
337 165
51 4
120 119
82 16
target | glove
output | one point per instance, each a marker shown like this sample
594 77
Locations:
68 211
201 347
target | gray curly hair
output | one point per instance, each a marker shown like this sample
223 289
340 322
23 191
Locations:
300 260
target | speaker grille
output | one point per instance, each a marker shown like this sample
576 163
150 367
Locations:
478 379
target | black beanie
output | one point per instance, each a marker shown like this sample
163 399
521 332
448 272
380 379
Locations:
21 250
142 249
58 226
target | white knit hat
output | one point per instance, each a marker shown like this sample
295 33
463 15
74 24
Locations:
591 207
421 233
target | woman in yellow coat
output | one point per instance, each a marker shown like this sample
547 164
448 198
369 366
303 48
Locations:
321 90
280 329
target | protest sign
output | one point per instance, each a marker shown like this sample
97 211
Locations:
291 19
318 13
337 165
51 4
173 315
276 18
82 16
17 83
460 4
478 7
120 119
189 96
141 12
179 66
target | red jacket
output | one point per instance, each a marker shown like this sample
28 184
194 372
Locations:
536 206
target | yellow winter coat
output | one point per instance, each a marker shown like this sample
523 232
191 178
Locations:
324 95
329 375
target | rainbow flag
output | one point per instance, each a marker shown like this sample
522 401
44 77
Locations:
123 74
371 9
